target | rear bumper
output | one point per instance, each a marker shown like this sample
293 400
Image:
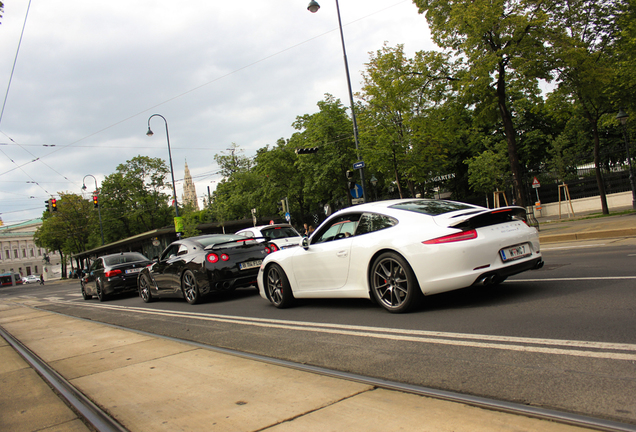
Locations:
499 275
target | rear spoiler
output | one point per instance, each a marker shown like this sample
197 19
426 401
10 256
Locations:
488 217
240 242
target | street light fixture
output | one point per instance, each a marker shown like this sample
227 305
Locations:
313 8
99 211
622 117
174 189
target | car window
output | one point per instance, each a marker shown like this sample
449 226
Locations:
170 252
370 222
246 234
279 232
124 258
431 207
341 227
97 264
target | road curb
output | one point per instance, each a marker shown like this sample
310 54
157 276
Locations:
591 235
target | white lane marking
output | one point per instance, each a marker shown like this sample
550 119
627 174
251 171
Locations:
573 279
563 347
543 248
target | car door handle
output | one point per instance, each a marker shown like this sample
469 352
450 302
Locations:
342 253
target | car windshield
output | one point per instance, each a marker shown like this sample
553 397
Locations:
124 258
431 207
279 232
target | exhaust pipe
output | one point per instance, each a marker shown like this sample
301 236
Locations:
539 265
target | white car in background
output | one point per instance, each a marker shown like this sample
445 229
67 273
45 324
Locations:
396 252
30 279
282 235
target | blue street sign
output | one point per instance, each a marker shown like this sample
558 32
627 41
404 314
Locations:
358 165
287 216
356 192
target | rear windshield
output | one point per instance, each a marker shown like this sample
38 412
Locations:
124 258
279 232
431 207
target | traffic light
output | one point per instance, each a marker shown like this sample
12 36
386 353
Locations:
95 202
307 150
350 183
53 204
48 205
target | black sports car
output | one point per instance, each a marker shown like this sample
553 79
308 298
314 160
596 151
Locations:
197 266
110 274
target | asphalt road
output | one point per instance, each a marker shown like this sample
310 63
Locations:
562 337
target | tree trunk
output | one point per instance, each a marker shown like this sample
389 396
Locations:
515 167
597 169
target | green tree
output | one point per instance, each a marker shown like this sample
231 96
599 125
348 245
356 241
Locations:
500 43
401 137
133 198
69 229
587 65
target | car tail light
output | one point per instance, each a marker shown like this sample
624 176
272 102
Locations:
212 258
271 248
460 236
111 273
225 257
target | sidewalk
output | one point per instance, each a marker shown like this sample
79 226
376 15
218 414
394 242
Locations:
150 383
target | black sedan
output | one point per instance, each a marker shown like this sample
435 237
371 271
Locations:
197 266
110 274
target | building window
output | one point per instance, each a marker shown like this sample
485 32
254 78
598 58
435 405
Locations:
36 270
7 254
15 253
32 252
23 253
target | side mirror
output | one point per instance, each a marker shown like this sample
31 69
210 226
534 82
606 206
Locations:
305 243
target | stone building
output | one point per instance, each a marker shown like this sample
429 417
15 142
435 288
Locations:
19 254
189 192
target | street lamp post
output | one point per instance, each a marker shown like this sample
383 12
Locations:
622 117
313 8
174 189
99 211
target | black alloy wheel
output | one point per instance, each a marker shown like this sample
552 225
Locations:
100 291
393 283
84 295
277 287
190 288
144 288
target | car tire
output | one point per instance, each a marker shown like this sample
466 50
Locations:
190 288
84 295
100 291
277 287
144 288
393 283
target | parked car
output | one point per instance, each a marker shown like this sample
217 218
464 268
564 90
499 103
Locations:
113 274
198 266
282 235
30 279
396 252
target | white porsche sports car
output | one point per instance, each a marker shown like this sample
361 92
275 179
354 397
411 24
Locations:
395 252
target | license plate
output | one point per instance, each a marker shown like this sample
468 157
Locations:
250 264
135 270
515 252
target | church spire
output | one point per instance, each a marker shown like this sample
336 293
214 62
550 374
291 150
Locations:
189 192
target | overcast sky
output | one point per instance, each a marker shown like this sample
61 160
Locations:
90 74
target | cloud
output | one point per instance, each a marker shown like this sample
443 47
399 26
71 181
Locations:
89 75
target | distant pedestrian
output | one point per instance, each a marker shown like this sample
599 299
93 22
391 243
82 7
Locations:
41 279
